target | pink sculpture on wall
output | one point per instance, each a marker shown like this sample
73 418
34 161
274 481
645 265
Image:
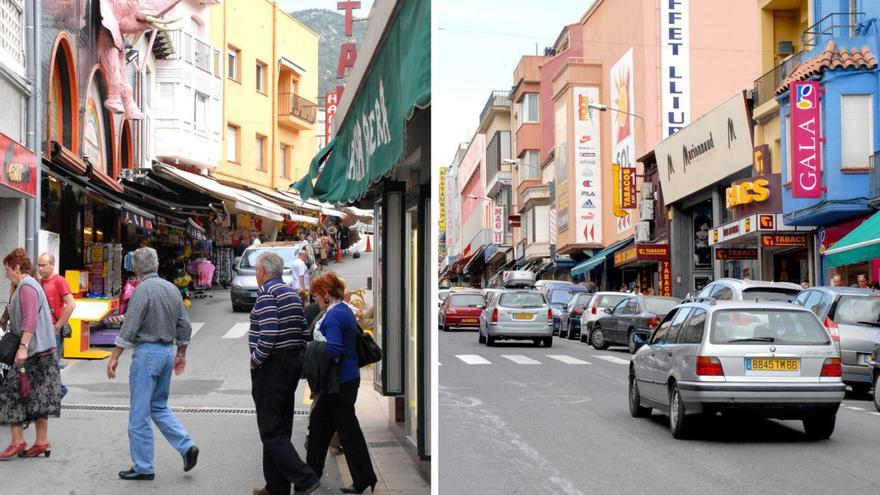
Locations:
120 18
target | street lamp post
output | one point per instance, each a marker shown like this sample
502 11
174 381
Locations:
604 108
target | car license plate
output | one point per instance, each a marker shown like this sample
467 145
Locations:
768 364
523 316
468 320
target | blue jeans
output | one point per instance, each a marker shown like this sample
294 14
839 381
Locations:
58 343
150 382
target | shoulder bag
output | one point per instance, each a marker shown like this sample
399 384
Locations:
368 350
8 343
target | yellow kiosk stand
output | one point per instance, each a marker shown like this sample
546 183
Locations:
85 312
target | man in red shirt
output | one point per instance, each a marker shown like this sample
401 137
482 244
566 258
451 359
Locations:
60 300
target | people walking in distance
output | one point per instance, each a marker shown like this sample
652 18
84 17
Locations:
649 291
154 321
60 301
30 392
300 271
862 282
837 280
334 412
277 341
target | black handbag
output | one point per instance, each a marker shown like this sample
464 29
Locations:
8 343
368 350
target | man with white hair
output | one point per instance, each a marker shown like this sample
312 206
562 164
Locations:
154 321
277 342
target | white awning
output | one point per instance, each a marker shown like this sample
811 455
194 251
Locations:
298 202
295 67
238 199
287 202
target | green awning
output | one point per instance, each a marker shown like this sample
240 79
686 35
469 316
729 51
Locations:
371 140
598 258
862 244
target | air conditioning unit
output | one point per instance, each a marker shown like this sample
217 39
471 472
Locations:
785 48
646 210
647 190
643 232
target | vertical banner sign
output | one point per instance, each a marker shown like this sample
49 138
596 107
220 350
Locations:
587 174
562 160
628 188
675 68
623 150
498 226
615 187
806 153
348 50
441 231
664 278
330 101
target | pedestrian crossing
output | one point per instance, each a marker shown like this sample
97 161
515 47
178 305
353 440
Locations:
475 359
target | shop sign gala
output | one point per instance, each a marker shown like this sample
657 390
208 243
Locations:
806 142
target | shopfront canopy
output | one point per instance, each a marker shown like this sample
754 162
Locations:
598 258
287 202
242 201
371 138
862 244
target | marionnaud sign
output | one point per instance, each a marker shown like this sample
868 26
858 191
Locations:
713 147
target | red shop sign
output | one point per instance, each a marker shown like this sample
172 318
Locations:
806 142
19 166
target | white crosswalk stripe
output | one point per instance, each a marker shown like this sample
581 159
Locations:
612 359
472 359
519 359
196 326
237 331
568 359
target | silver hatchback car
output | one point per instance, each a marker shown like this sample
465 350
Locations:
771 360
517 314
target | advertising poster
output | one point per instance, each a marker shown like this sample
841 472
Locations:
562 199
623 150
588 189
806 151
675 68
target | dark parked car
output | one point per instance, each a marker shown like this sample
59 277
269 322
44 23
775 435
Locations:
462 310
852 317
633 315
558 294
570 320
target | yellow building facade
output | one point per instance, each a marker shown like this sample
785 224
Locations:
782 23
270 93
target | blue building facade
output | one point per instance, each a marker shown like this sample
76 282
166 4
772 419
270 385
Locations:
844 45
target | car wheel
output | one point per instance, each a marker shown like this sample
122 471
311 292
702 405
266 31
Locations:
876 393
631 345
819 427
236 308
861 389
679 423
636 409
597 339
537 342
548 341
490 340
480 338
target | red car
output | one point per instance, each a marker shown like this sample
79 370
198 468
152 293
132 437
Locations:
462 310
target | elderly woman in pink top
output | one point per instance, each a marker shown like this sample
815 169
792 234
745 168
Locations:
31 391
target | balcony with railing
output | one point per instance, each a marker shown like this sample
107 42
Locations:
499 166
498 100
296 112
834 25
179 45
765 86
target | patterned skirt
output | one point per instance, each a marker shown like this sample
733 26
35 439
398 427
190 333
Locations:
45 398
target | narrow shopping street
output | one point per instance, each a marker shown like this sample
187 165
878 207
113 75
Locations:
521 419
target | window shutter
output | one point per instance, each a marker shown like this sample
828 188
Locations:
856 130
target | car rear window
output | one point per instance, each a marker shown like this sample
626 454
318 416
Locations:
763 326
466 300
288 255
768 294
521 300
661 305
858 310
560 296
609 301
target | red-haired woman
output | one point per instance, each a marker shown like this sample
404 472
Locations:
335 412
29 316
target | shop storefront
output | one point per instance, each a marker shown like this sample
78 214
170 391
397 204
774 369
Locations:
757 244
379 158
645 265
696 165
853 249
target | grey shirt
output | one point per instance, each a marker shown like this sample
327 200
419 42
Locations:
155 314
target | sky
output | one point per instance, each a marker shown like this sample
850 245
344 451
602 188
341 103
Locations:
475 47
292 5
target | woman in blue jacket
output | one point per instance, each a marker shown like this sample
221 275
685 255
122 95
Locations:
335 412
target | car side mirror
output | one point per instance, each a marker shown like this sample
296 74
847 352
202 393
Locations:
608 310
639 339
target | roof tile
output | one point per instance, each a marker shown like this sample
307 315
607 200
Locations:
831 58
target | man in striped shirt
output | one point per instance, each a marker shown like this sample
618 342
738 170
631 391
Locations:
277 342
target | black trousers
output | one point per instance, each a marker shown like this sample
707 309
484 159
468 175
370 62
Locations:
334 413
273 386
